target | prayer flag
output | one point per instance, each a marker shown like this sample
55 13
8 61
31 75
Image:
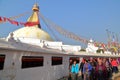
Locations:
13 22
0 19
4 19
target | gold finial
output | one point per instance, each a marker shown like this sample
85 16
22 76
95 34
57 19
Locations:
35 7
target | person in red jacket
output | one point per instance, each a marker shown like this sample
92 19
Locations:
114 64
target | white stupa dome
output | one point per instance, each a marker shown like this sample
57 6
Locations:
32 32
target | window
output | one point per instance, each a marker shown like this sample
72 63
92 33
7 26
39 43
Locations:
56 60
2 60
32 61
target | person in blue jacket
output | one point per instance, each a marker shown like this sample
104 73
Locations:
74 70
87 68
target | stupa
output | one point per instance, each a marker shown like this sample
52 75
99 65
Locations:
33 31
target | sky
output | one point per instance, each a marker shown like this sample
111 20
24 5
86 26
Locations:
86 18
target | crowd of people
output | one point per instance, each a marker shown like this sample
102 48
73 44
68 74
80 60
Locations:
93 68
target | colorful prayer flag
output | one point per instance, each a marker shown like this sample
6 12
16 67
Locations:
0 19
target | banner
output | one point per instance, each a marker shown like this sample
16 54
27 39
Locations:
31 23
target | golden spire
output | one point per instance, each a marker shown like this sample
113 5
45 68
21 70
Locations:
35 15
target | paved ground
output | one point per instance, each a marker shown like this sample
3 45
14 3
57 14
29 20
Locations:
118 79
116 76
